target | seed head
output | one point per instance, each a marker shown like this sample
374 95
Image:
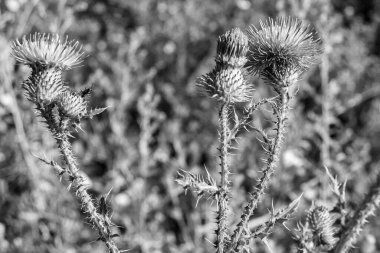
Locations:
281 50
226 82
71 105
47 50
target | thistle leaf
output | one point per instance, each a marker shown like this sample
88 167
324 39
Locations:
96 111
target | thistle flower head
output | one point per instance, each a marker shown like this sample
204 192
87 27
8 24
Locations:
281 50
322 225
232 48
226 82
44 86
71 105
47 50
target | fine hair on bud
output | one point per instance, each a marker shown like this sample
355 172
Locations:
226 82
281 50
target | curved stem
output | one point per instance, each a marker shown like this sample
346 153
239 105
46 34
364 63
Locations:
274 151
221 231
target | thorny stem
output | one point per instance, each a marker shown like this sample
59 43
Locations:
371 202
274 150
61 134
244 123
99 221
221 231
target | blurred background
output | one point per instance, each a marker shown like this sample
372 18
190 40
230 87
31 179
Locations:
143 59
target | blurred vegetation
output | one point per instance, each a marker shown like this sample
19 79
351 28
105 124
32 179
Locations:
143 59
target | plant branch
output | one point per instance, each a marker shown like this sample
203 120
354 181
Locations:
79 182
359 99
274 149
245 121
223 197
371 202
100 221
281 216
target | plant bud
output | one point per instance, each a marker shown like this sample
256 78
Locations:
226 82
322 225
232 48
44 85
71 105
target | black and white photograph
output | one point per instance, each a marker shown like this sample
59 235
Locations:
189 126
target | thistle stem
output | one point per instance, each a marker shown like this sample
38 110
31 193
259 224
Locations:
79 183
274 151
371 202
221 231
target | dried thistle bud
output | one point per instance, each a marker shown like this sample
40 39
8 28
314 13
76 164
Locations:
71 105
226 82
321 224
46 51
281 50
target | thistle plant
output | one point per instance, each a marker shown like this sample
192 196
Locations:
226 84
62 109
279 52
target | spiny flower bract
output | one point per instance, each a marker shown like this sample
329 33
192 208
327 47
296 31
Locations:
226 82
47 50
44 85
72 105
232 48
281 50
